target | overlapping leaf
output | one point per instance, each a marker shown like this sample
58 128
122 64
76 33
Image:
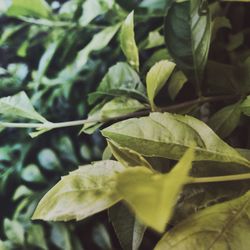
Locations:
223 226
82 193
169 135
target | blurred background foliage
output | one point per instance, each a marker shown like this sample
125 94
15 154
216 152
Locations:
47 50
58 52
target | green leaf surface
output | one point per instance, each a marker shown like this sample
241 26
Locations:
32 8
82 193
175 84
156 79
187 36
245 106
169 135
121 79
36 236
151 195
127 228
32 173
127 157
19 105
127 40
223 226
94 8
14 231
154 39
226 120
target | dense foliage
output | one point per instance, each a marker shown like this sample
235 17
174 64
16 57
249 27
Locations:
165 89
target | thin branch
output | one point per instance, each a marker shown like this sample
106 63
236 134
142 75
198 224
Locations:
171 108
237 177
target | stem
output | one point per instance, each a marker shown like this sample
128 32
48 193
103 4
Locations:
171 108
225 178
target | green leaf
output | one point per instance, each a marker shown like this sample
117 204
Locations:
245 106
119 106
156 79
22 191
82 57
36 236
32 8
19 105
223 226
175 84
169 135
32 173
151 195
153 40
82 193
14 231
127 40
127 157
127 228
94 8
226 120
187 36
48 159
121 79
45 60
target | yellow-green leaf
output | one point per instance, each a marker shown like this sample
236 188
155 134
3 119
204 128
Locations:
153 196
127 40
169 135
157 77
223 226
82 193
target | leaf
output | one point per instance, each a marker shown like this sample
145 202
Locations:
32 173
119 106
175 84
154 39
94 8
37 8
19 105
222 226
127 157
14 231
21 191
225 120
127 228
156 78
48 159
82 193
121 79
36 236
169 135
82 57
151 195
127 40
45 61
187 37
245 106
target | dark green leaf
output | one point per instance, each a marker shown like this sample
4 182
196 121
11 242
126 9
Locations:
187 35
128 229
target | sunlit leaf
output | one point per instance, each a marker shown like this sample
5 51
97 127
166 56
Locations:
169 135
222 226
151 195
128 44
33 8
19 105
82 193
175 84
156 78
